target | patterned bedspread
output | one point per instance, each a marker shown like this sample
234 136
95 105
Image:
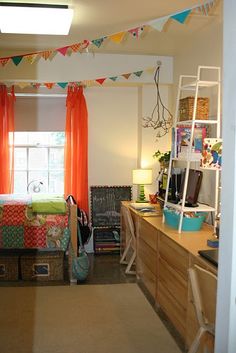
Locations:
20 227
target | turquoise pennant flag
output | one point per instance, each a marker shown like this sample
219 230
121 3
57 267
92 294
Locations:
62 84
181 17
98 42
16 59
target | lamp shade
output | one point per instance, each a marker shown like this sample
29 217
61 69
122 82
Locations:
142 176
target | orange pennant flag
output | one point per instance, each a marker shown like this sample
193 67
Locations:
117 37
49 85
75 47
4 61
126 76
31 58
46 54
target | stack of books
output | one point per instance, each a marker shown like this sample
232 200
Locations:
106 240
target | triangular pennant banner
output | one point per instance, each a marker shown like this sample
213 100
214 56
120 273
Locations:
136 31
22 84
85 44
31 58
46 54
114 78
36 85
16 59
75 47
158 24
138 73
118 37
49 85
4 61
181 17
62 84
63 50
98 42
100 80
126 76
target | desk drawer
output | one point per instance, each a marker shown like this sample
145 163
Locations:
147 256
148 234
172 308
174 255
174 282
147 278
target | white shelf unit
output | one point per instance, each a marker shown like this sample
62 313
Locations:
195 84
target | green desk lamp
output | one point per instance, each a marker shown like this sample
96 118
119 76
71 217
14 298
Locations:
142 177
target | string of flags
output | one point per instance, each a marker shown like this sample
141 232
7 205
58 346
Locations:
97 81
157 24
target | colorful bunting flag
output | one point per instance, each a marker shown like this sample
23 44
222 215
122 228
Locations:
126 76
36 85
158 24
49 85
98 42
138 73
182 16
114 78
62 84
136 31
75 47
31 58
23 84
4 61
16 59
46 54
117 37
100 80
63 50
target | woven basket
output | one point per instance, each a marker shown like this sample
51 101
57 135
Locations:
186 108
43 266
9 268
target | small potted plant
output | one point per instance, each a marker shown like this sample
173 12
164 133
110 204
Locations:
163 158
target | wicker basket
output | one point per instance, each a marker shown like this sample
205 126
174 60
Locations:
186 108
43 266
9 269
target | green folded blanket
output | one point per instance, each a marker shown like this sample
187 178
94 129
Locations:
44 203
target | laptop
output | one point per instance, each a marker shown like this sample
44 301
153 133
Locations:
210 255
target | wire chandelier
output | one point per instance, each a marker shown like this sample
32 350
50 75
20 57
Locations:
161 118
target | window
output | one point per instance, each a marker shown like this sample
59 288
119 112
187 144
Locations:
39 157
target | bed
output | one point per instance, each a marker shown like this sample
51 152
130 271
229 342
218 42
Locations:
37 221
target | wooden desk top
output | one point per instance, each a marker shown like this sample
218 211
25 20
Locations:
190 241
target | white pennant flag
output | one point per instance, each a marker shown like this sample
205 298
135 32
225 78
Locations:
159 23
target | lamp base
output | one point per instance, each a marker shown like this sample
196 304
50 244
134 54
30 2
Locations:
141 197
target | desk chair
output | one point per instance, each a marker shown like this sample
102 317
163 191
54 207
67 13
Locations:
204 287
130 246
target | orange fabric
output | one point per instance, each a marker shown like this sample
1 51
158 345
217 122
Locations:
6 127
76 147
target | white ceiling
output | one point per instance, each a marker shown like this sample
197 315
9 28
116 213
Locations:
96 18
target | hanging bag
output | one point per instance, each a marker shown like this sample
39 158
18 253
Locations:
80 263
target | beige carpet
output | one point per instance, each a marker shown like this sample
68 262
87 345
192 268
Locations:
80 319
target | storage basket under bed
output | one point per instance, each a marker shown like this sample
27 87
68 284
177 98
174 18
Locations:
9 269
186 108
43 266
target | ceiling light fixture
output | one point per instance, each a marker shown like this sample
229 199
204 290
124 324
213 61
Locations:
32 18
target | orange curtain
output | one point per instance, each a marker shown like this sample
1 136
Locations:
6 140
76 147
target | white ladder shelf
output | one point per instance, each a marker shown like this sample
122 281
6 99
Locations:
194 84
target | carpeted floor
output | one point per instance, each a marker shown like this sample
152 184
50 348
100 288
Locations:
80 319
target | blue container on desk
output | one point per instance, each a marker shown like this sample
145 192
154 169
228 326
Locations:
189 224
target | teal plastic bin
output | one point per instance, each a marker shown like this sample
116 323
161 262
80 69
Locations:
189 224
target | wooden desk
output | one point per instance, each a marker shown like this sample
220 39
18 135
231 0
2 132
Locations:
163 259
